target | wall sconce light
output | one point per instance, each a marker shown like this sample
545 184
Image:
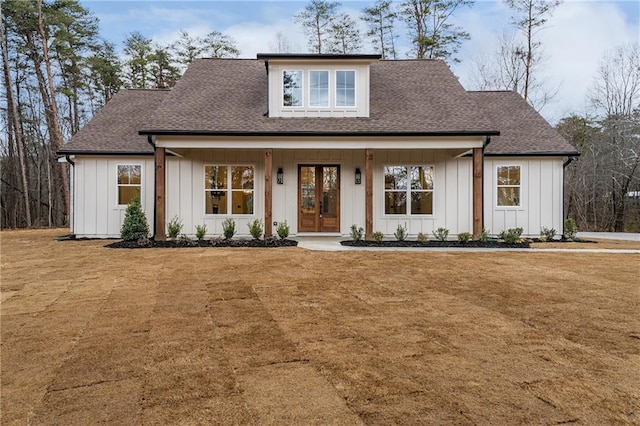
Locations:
280 176
358 176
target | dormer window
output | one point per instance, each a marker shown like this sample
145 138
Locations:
318 89
345 89
292 88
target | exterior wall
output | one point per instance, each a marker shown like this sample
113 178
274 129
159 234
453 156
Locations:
452 193
96 213
541 195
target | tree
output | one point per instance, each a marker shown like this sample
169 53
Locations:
380 19
186 48
530 18
137 49
104 74
316 20
280 44
218 45
344 36
432 35
163 73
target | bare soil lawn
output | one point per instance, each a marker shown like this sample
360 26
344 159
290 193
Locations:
289 336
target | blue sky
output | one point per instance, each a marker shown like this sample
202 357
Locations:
576 37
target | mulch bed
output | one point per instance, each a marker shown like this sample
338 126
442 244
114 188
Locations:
435 244
179 243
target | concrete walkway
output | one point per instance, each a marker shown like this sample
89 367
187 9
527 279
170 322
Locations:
625 236
333 244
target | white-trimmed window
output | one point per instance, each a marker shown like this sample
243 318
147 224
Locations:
408 190
292 88
345 88
129 183
318 88
228 190
508 186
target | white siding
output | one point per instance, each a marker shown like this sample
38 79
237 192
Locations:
96 213
541 195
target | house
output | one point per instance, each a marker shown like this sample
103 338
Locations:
323 142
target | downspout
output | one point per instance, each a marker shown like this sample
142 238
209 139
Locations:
266 67
72 190
564 208
155 190
487 141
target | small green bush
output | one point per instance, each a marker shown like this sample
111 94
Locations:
464 237
547 234
282 230
135 226
570 228
356 233
401 232
511 236
441 234
255 228
174 227
201 230
228 228
378 237
484 235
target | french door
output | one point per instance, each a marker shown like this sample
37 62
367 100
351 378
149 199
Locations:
318 198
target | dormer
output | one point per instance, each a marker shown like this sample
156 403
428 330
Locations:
318 85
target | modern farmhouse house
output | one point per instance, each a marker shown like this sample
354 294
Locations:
323 142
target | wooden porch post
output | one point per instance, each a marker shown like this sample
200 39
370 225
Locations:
368 188
268 201
160 192
478 202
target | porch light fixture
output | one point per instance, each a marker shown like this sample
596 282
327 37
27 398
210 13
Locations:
358 176
280 176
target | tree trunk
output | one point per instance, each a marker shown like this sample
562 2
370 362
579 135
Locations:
13 113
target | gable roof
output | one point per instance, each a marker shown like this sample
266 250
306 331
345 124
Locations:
229 96
114 129
523 131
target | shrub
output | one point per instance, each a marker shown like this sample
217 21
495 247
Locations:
484 235
464 237
201 230
228 228
511 236
378 237
174 227
570 228
547 234
422 238
135 224
401 232
282 230
441 234
356 233
255 228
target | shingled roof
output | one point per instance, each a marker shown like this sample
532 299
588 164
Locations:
230 96
522 130
114 130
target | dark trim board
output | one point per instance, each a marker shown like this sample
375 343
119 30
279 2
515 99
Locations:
315 133
142 154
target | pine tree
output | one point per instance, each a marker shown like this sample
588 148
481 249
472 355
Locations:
135 224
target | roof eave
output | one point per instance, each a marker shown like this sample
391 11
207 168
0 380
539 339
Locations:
316 133
98 152
534 154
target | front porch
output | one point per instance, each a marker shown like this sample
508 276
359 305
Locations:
284 185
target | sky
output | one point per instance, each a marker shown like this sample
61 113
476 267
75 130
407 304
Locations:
574 40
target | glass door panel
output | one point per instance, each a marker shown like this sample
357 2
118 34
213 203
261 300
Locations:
319 198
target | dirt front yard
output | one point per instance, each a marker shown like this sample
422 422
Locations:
289 336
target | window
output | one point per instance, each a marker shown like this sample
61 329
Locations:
129 182
318 88
228 189
408 190
292 88
508 184
345 88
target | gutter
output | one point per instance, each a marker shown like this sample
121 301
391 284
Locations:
69 160
315 133
569 161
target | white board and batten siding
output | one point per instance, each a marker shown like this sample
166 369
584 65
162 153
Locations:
96 213
541 195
